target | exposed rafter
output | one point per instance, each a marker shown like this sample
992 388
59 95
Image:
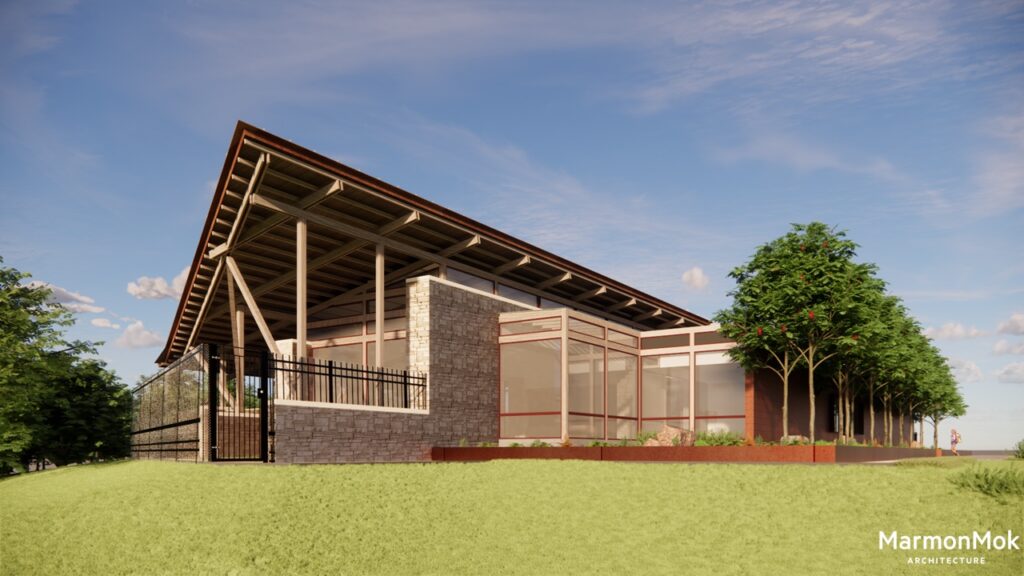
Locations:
273 221
591 293
554 280
627 303
648 315
511 265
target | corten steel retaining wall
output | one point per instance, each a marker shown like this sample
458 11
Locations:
453 338
782 454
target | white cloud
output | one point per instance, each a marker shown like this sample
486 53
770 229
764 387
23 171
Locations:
136 336
1006 347
1012 373
1015 325
965 371
999 171
696 279
156 287
953 331
792 151
73 301
104 323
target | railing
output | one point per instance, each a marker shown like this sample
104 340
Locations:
172 419
332 382
166 410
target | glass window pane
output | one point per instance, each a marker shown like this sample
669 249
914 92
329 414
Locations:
586 328
586 426
621 338
586 378
348 354
653 342
390 325
544 426
391 303
471 280
700 338
622 373
528 326
335 332
517 295
666 386
550 304
396 354
531 377
657 425
619 429
719 425
720 385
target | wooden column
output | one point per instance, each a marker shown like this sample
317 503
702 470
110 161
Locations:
300 286
378 306
237 317
565 376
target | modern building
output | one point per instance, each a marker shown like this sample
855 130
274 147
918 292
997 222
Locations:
332 317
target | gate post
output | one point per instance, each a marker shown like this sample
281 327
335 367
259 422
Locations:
264 408
212 410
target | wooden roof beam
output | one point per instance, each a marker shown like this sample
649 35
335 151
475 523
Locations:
564 277
591 294
511 265
657 312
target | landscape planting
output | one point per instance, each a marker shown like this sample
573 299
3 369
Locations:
802 301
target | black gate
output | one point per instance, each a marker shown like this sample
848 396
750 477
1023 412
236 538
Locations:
241 405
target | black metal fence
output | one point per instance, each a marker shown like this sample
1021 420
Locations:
172 419
314 380
166 410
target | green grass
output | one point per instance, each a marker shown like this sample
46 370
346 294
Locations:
515 517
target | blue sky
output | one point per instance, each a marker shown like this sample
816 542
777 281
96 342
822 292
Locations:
679 135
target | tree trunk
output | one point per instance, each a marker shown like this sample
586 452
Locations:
935 438
851 429
840 428
902 441
785 394
871 409
810 390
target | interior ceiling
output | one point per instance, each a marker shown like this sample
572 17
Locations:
343 263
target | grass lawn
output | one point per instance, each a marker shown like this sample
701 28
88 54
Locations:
515 517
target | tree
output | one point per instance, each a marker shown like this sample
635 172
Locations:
757 319
46 385
943 400
806 286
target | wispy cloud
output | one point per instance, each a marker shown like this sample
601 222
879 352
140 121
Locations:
1013 325
1003 347
157 287
104 323
965 371
1011 373
953 331
999 170
73 301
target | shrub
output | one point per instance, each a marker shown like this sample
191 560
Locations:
996 482
644 436
463 443
488 445
1018 450
539 444
599 444
515 445
719 439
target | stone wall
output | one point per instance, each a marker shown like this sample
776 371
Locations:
453 338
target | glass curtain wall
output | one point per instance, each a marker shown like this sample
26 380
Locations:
601 373
719 394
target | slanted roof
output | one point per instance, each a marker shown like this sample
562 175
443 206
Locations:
348 212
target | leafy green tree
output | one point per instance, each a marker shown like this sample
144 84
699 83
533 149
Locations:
806 286
53 404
